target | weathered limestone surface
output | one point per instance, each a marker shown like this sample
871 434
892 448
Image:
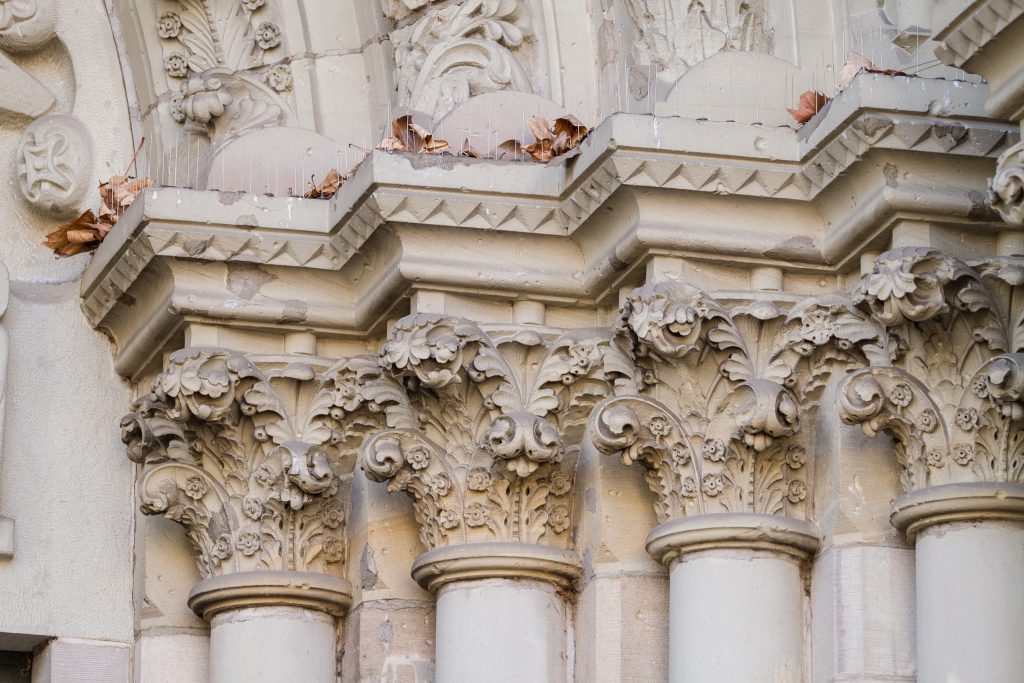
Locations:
715 398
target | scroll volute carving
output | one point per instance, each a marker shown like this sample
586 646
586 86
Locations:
500 411
254 458
725 394
952 397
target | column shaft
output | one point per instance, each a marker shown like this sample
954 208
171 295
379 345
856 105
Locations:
736 616
501 630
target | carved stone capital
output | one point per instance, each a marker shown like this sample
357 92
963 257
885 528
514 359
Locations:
1006 189
951 397
318 592
500 413
726 389
253 455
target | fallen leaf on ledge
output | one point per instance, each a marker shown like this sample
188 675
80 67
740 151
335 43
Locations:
79 236
327 189
811 103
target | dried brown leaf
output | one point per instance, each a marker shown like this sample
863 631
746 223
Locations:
572 130
510 150
412 136
811 103
118 193
79 236
392 145
542 151
541 129
327 189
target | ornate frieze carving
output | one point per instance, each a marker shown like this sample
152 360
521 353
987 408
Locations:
1006 189
252 457
500 414
460 50
952 398
726 394
217 50
674 36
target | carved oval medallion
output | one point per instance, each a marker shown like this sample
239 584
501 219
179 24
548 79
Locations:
54 163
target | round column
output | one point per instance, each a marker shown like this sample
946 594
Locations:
969 541
500 612
271 626
736 596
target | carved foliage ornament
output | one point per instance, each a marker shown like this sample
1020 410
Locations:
953 399
215 47
675 36
717 424
464 49
26 24
1006 189
250 458
500 415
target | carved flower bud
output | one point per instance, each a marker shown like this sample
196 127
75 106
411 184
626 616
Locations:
714 450
195 487
967 419
558 518
712 485
253 508
476 515
168 25
205 98
176 65
963 454
333 550
559 484
267 35
689 487
331 515
935 458
222 549
927 421
796 491
248 543
901 395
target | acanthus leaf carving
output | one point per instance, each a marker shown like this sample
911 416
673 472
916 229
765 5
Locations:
717 422
1006 188
253 456
500 414
464 49
951 396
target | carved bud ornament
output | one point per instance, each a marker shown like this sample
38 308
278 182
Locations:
251 457
952 398
499 412
719 422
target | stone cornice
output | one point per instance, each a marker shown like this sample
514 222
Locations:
969 31
167 259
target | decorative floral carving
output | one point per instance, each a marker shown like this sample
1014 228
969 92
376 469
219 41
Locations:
953 391
1006 189
14 11
498 420
236 449
268 35
676 36
204 98
463 49
732 384
280 77
253 5
168 25
176 65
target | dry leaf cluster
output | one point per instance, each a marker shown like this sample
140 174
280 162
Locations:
551 140
86 232
327 189
812 102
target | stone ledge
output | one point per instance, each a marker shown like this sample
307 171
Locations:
341 266
436 568
951 503
318 592
744 531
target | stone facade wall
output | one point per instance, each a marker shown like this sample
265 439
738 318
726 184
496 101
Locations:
610 418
